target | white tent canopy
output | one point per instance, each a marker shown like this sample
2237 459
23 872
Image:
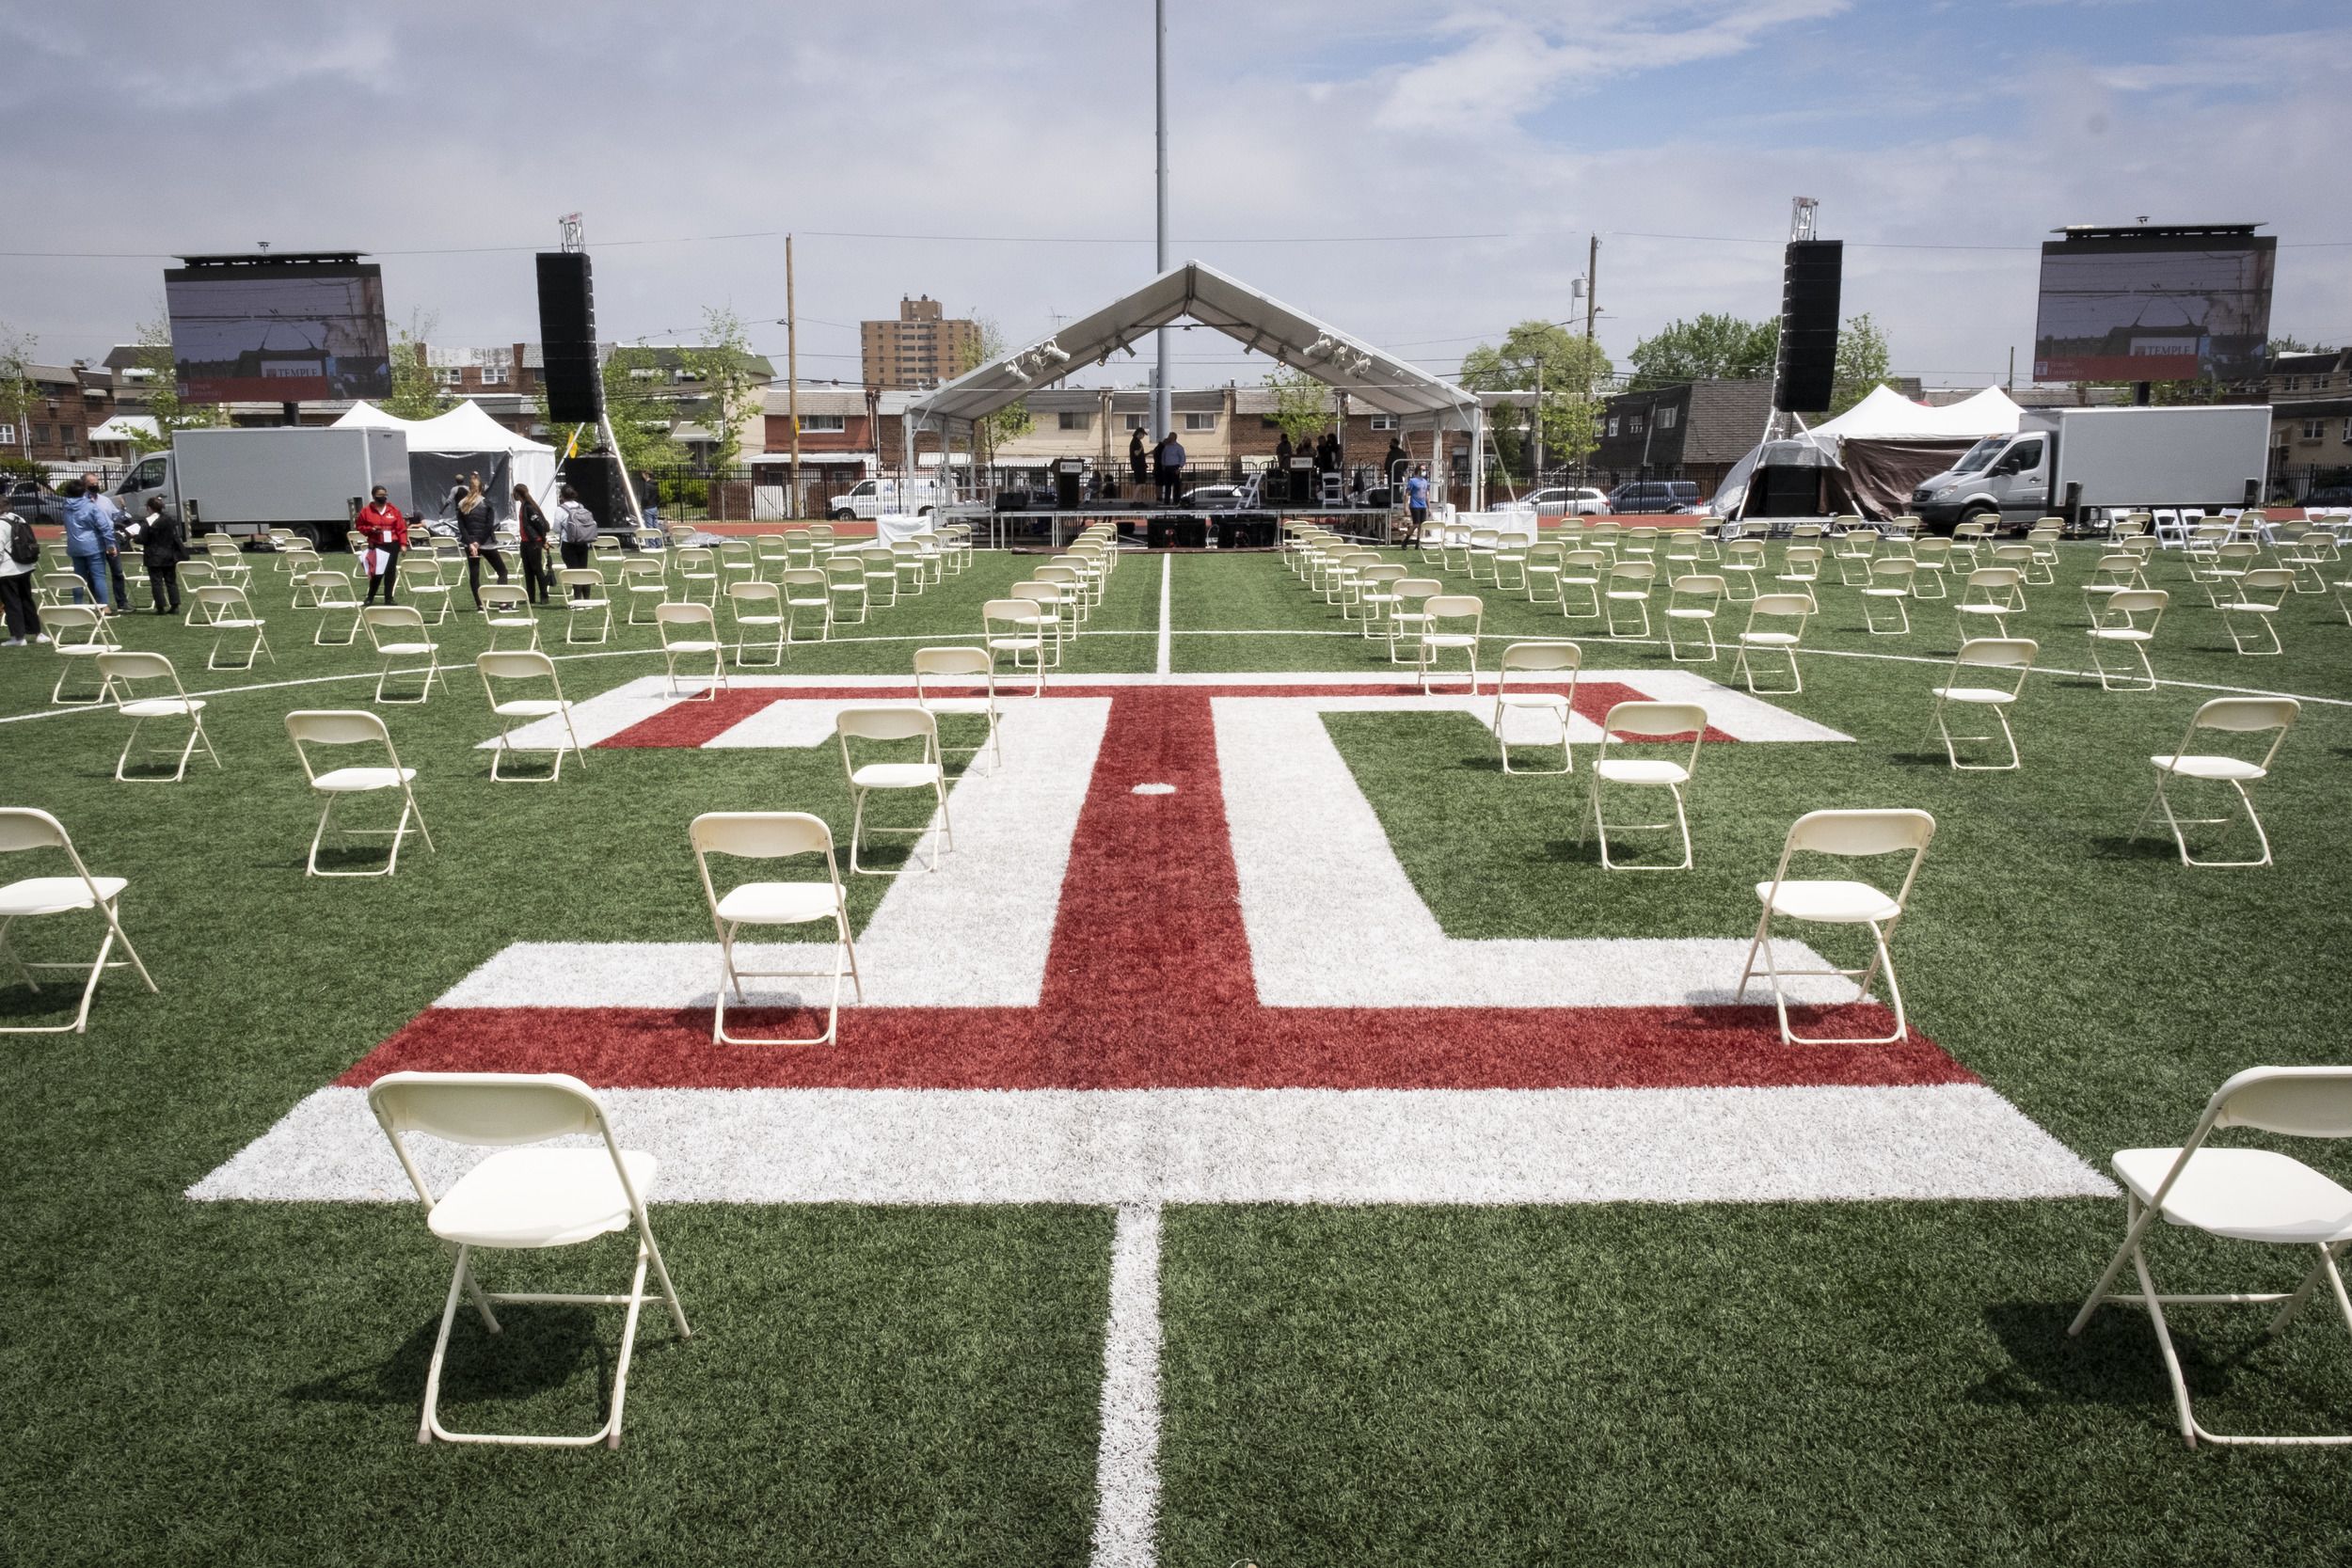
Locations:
1886 415
461 431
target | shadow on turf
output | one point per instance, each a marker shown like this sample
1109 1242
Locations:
542 1349
2113 1363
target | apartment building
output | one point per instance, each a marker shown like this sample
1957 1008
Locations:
922 348
2311 420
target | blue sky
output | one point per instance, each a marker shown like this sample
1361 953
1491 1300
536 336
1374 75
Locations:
1965 129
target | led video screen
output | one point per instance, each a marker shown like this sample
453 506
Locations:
279 334
2154 310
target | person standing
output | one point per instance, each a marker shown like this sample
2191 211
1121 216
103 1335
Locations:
19 552
533 524
478 529
579 531
385 531
162 547
1171 467
649 500
1393 467
126 531
1417 504
1136 459
89 540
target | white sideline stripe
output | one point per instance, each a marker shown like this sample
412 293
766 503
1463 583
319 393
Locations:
1243 1145
1334 921
1127 1462
975 933
1168 575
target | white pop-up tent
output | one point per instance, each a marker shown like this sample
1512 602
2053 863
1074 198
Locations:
1867 459
447 447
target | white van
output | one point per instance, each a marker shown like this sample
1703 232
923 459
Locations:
869 498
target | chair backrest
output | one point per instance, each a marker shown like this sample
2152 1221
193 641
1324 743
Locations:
1893 570
1383 577
1014 610
220 601
2265 579
880 561
2295 1101
1456 605
497 597
2246 715
808 578
336 727
1997 653
1417 589
514 664
749 595
75 617
954 663
120 665
1548 655
1799 605
666 616
1649 720
1585 561
385 617
1862 833
579 577
604 544
484 1109
1803 559
1038 592
1931 551
845 570
696 559
737 551
220 545
30 827
640 568
1747 552
759 835
327 587
2139 601
196 573
1637 572
1700 585
1990 577
2012 555
2237 552
886 723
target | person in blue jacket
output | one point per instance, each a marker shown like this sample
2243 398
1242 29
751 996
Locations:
89 540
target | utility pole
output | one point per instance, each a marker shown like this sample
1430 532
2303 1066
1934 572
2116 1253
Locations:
1535 475
1160 415
1592 280
792 374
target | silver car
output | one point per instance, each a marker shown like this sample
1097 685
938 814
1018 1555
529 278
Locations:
1567 502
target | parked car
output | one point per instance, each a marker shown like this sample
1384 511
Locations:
1219 497
1569 501
2329 496
34 501
1655 496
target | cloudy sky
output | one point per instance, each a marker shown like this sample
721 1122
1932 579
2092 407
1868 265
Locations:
1422 174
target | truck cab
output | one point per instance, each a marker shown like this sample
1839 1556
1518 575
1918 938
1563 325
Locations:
149 476
2000 478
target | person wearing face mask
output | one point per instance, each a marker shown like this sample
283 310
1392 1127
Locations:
385 531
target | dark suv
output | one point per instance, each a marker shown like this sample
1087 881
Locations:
1655 496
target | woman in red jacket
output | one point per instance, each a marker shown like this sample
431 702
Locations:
387 534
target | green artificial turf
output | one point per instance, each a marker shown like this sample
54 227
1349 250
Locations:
1882 1382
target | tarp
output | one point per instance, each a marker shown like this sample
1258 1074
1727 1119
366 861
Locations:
443 450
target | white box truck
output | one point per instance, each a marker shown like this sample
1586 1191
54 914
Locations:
2070 462
309 478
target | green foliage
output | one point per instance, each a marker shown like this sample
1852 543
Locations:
17 466
415 394
1862 357
1009 422
1574 375
164 402
640 422
1706 348
731 390
17 392
1303 406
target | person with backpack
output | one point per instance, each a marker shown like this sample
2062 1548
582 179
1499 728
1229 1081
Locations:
163 546
578 529
478 529
536 536
19 552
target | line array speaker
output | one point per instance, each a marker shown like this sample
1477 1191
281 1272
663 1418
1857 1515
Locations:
567 338
1808 365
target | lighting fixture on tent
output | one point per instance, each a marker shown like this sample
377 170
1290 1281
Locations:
1051 348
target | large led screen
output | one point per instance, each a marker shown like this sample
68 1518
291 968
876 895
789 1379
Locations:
2156 308
296 333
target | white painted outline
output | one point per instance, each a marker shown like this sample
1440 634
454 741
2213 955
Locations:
1127 1457
1168 576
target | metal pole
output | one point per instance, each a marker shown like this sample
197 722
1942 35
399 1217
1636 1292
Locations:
792 374
1161 418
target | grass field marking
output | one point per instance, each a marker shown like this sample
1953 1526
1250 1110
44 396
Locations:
1167 577
1127 1467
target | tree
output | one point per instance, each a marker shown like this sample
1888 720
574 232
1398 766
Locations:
164 403
1573 376
1008 423
1708 348
17 391
1862 357
416 394
1302 404
731 391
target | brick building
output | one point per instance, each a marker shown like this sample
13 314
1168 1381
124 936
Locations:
922 348
62 405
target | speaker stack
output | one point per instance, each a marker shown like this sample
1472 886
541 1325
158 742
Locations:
1807 366
567 339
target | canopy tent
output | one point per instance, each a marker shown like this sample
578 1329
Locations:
1867 459
443 450
1367 376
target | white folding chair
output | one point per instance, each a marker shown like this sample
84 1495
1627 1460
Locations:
646 582
880 566
1647 721
528 670
892 726
2236 715
961 668
1850 835
1409 616
308 728
585 598
757 606
1452 626
1015 629
80 636
2251 615
1744 566
523 1199
506 609
1050 612
124 672
698 571
1548 659
32 897
1984 652
768 835
1761 635
425 581
1627 598
398 632
1991 593
690 631
1891 583
2240 1195
845 583
2118 624
337 601
1690 605
1580 572
807 600
229 617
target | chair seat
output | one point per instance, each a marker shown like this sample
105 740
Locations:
697 646
1689 614
1830 902
1770 639
405 649
351 781
510 623
1640 770
1887 592
1985 694
2247 607
1985 609
2195 767
1014 644
589 604
2121 634
896 775
1547 700
77 650
217 625
778 903
759 620
530 707
54 895
540 1198
2252 1194
1448 639
805 604
978 706
1629 593
163 707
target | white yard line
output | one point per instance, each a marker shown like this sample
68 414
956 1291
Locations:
1168 575
1127 1463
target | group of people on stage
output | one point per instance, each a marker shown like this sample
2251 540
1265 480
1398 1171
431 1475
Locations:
1164 461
